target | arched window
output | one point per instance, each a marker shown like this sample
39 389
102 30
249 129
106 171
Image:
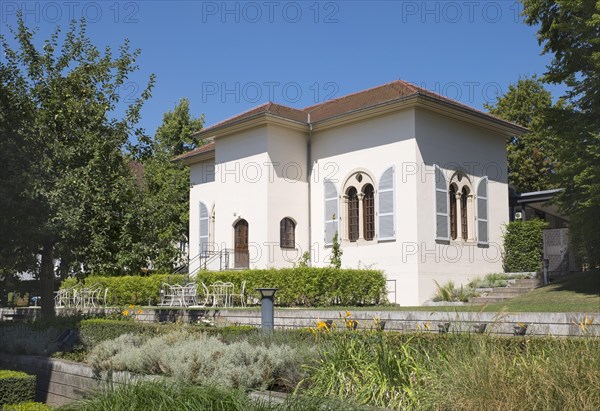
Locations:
464 213
287 233
460 207
353 219
368 212
453 225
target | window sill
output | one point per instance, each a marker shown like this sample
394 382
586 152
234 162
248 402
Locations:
358 243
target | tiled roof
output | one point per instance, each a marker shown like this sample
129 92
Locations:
207 148
394 91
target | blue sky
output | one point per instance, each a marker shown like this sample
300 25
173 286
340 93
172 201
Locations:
227 57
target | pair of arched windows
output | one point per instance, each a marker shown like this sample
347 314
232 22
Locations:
458 214
357 204
367 214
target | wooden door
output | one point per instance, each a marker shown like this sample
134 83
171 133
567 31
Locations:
242 259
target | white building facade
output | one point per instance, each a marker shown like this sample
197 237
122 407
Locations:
414 184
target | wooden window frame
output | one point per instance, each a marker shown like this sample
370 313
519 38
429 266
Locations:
353 215
368 203
287 233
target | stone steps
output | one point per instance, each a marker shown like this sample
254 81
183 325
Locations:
501 294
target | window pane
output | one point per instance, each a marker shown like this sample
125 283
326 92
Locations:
353 222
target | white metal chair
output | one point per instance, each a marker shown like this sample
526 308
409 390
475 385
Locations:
190 294
241 295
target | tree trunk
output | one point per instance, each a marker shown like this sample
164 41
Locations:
47 281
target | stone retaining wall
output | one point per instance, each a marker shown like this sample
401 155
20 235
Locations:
557 324
59 381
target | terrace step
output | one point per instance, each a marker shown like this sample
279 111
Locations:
526 282
514 289
488 299
511 290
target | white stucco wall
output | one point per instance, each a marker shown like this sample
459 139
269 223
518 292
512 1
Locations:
371 145
261 175
451 144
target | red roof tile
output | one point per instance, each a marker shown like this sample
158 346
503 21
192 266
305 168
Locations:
207 148
396 90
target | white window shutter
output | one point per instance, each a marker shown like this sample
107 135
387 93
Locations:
331 211
204 224
482 212
442 218
386 200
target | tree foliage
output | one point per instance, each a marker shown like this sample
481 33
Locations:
570 31
164 203
531 157
71 188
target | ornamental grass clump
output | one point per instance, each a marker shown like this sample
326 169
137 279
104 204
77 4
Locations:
365 369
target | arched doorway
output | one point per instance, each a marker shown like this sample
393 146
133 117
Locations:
242 255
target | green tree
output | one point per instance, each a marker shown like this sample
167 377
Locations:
531 157
76 184
570 31
164 207
336 252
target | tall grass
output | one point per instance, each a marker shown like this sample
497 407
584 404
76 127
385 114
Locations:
167 396
459 372
366 371
491 373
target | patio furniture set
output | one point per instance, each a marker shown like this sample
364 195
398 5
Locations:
81 297
218 294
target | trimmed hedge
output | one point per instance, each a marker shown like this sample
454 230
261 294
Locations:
523 245
129 289
308 286
94 331
298 287
16 387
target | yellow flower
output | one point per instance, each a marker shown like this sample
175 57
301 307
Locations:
131 306
140 311
321 325
125 313
348 314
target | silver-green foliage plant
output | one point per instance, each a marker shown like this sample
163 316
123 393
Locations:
200 359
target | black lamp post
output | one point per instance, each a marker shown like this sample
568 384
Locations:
267 309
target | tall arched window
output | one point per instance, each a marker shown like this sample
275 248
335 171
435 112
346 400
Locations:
287 233
453 222
464 223
461 211
368 212
353 219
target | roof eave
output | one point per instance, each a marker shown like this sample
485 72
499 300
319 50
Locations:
248 123
460 112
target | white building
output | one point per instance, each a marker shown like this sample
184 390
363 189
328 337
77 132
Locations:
415 184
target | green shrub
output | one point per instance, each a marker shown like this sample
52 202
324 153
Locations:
125 290
523 245
27 406
93 332
309 286
16 387
302 286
